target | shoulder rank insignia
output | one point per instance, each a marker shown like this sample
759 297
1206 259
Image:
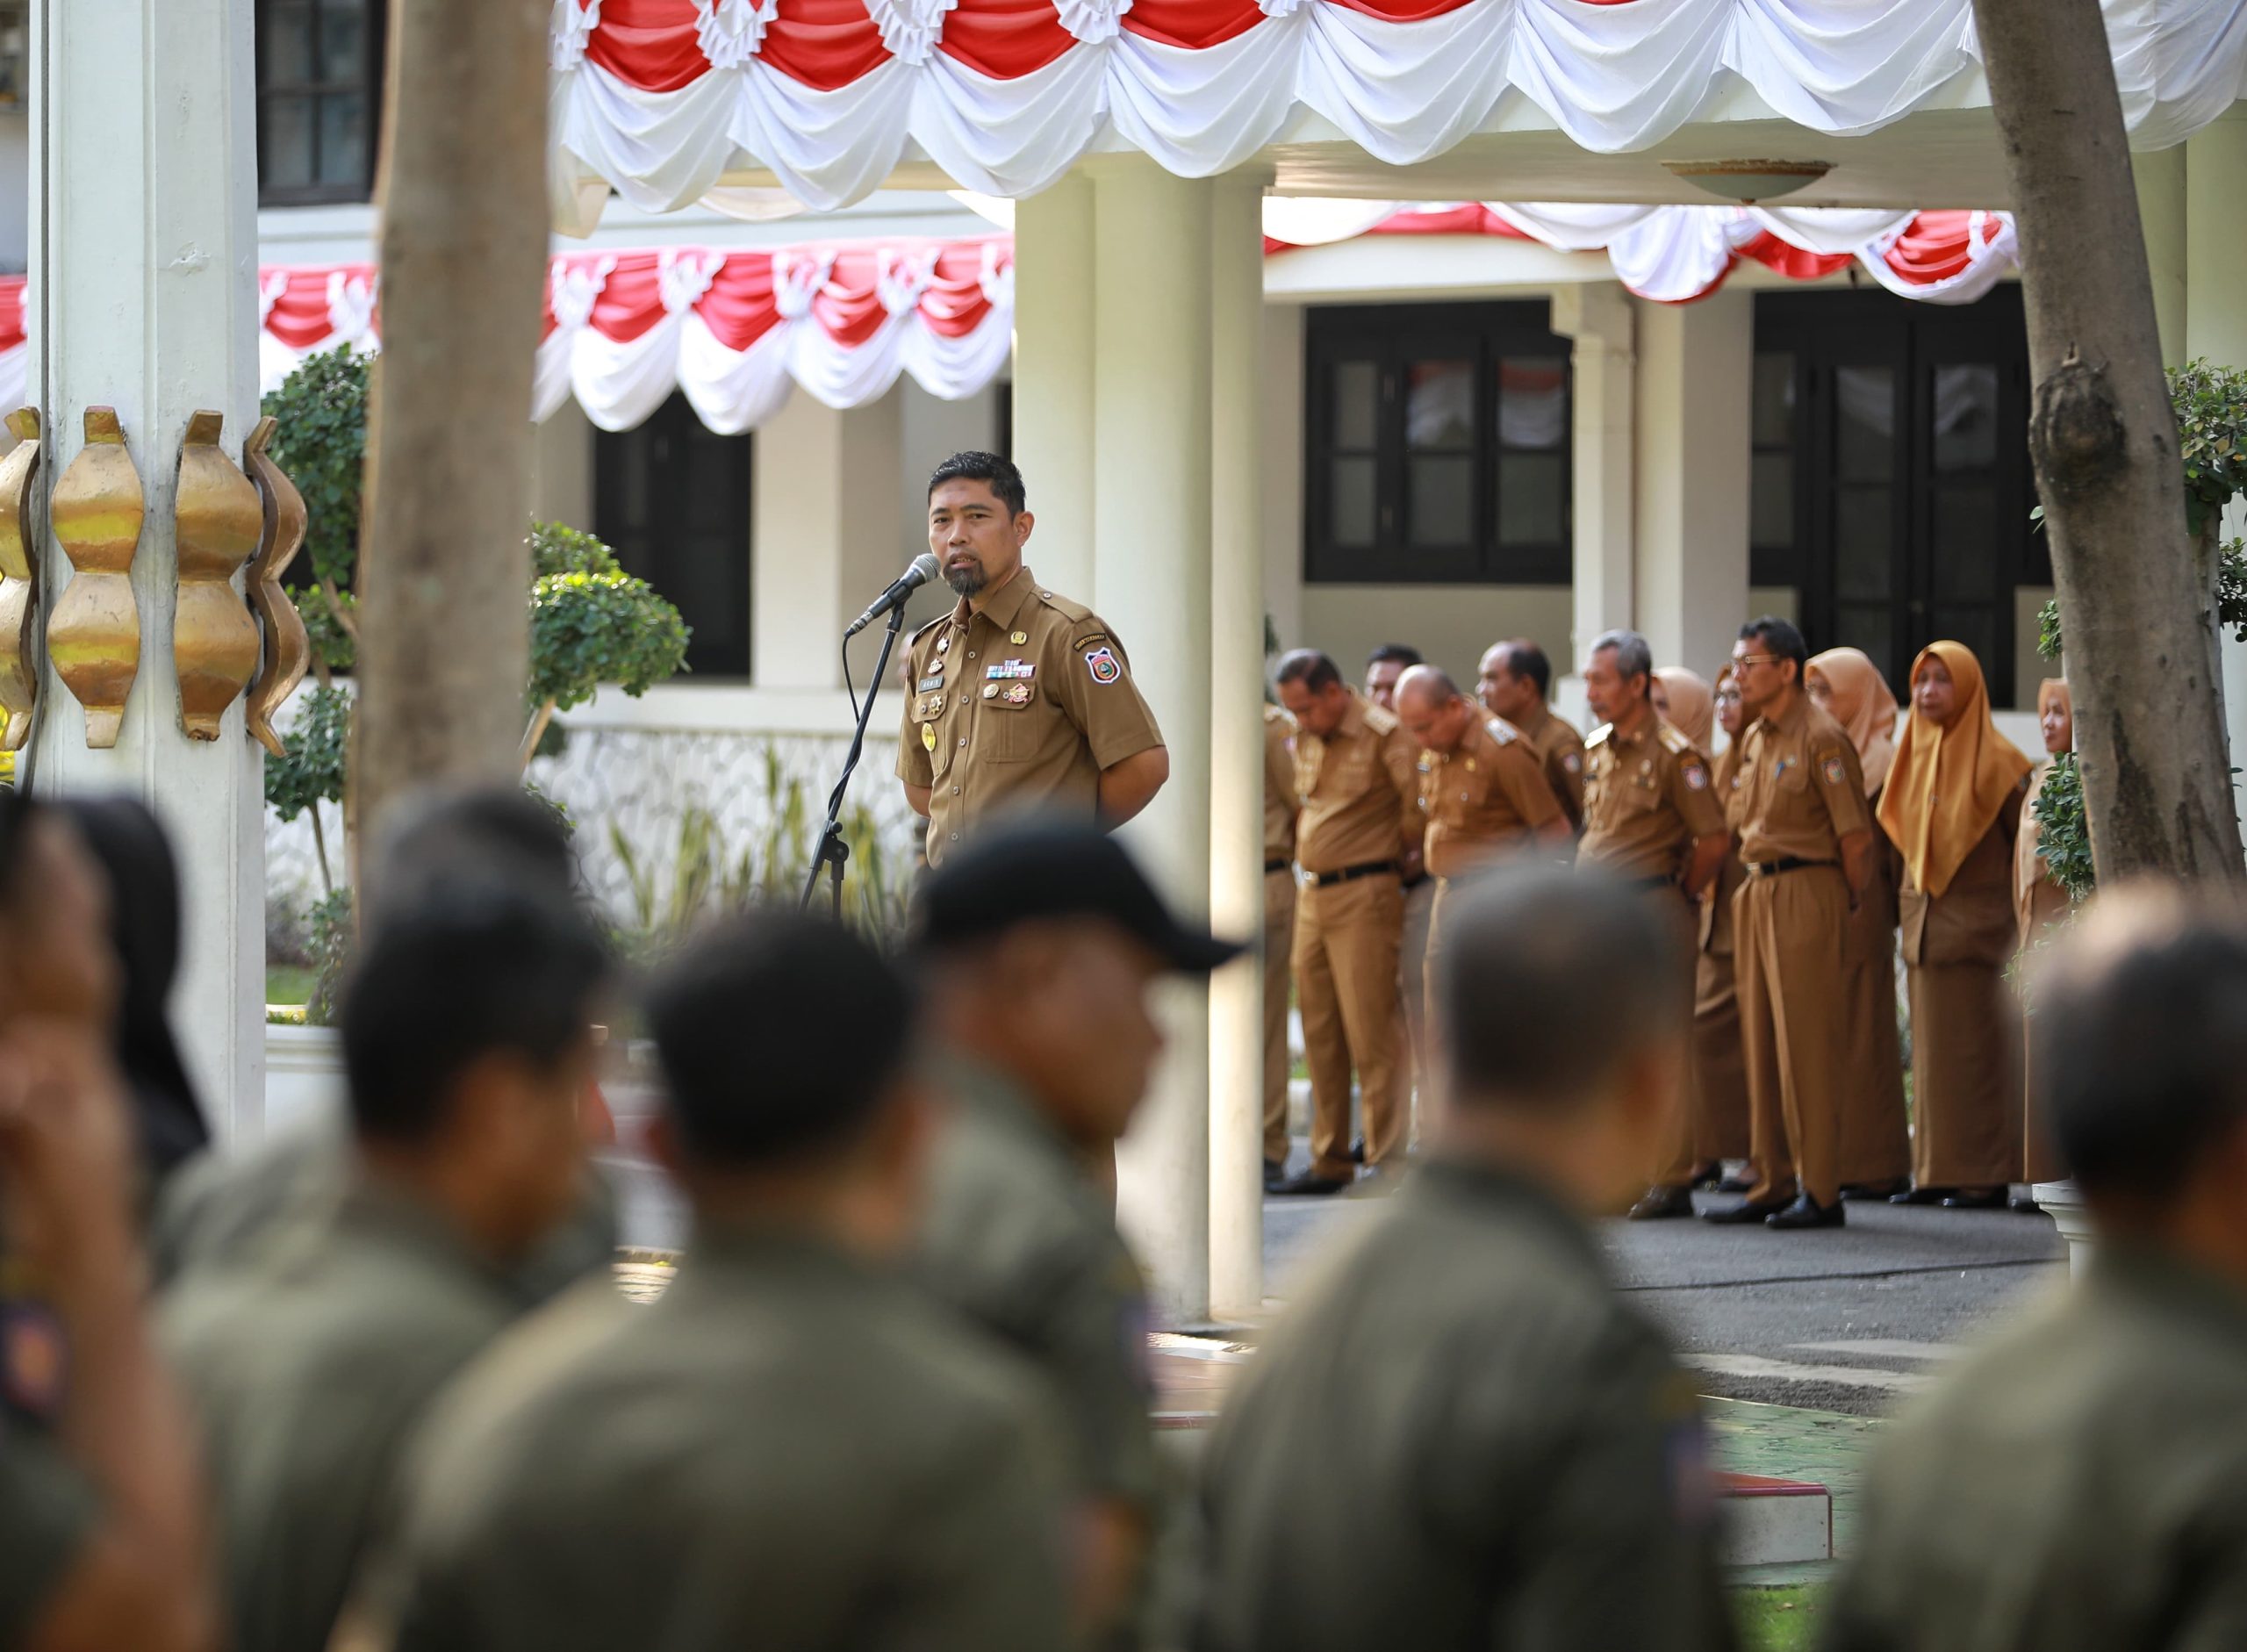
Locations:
1501 731
1672 738
1597 737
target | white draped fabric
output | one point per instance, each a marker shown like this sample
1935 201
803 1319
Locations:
661 97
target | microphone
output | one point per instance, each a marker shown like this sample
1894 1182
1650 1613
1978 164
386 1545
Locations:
924 568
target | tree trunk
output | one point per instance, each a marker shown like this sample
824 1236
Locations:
536 732
444 633
2137 594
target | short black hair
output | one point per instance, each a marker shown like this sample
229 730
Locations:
1314 670
2138 1034
1780 637
439 830
780 1034
475 963
1547 981
1402 653
974 466
1524 658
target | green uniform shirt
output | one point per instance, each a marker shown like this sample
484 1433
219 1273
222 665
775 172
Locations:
1018 1238
48 1509
2081 1486
790 1451
1461 1438
307 1366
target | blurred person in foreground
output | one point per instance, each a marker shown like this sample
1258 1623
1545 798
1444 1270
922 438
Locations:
1042 944
103 1545
2081 1486
225 1203
792 1448
467 1041
1461 1437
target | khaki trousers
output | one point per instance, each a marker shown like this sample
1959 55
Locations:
1875 1144
1347 936
1412 997
1787 932
1965 1080
1675 1154
1720 1073
1279 944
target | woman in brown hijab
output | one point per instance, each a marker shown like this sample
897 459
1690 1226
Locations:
1953 809
1875 1150
2038 902
1719 1071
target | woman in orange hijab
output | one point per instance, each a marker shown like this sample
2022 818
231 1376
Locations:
1719 1069
2038 902
1873 1149
1682 699
1953 809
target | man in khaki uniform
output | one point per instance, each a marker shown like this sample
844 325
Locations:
467 1040
2077 1486
1481 788
1651 818
793 1449
1515 683
1806 840
1358 836
1281 806
1020 699
1463 1439
1385 668
1041 942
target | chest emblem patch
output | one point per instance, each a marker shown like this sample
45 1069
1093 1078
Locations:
1834 771
1780 766
1103 664
928 736
1017 637
1016 694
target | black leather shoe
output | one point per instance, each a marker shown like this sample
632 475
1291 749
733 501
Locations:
1704 1177
1747 1210
1807 1212
1310 1185
1920 1195
1276 1176
1874 1192
1656 1204
1357 1154
1737 1184
1985 1199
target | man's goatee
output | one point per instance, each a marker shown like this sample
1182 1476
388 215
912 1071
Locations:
964 582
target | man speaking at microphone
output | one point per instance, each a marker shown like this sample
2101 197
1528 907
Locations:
1020 699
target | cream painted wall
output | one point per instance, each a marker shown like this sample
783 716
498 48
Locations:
1450 624
1283 417
562 480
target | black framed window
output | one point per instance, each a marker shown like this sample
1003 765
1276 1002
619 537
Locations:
672 498
1891 485
319 81
1437 445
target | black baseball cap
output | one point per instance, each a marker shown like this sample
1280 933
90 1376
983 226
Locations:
1045 869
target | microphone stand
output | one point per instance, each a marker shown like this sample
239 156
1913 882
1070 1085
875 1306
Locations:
833 850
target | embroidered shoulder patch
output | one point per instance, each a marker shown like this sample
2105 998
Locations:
1834 770
1573 762
1697 778
1103 664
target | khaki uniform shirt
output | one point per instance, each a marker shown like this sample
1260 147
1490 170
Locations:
2081 1486
1464 1422
1280 800
1646 800
1361 791
790 1450
1487 796
1561 748
308 1365
1019 707
1799 789
1973 921
1018 1238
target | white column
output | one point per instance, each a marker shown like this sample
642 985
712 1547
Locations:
1603 372
823 536
143 297
1236 742
1054 295
2160 177
2215 322
1152 580
1696 370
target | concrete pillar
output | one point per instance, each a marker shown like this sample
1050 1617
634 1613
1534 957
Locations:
1054 295
1151 579
1603 371
2160 176
1696 370
1236 742
2215 323
143 265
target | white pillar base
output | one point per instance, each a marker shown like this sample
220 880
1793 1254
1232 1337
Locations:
2063 1202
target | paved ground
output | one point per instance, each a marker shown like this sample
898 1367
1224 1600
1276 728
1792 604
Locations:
1848 1320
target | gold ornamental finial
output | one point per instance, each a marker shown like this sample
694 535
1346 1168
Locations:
19 582
288 649
217 518
93 635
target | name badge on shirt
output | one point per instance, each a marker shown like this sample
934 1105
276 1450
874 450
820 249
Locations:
1009 668
927 683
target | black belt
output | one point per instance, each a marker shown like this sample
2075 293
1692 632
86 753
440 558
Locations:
1785 863
1371 869
1270 867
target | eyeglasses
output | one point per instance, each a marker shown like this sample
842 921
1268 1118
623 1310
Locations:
1756 659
